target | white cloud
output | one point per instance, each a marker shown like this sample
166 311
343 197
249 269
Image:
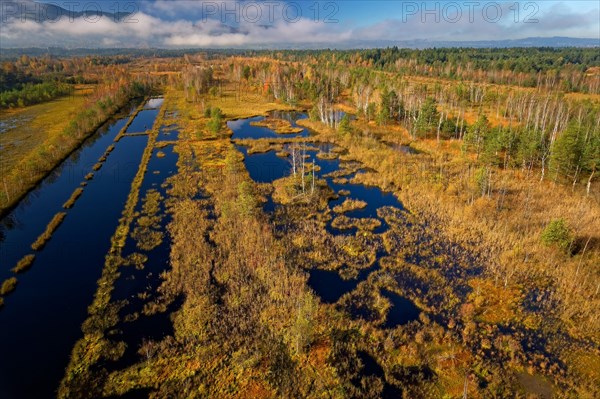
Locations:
148 29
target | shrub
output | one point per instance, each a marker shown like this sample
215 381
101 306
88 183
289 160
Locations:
46 235
349 205
344 126
482 181
557 233
246 200
216 113
8 286
314 114
74 196
214 125
24 264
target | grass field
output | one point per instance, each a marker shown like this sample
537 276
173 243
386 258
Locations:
27 128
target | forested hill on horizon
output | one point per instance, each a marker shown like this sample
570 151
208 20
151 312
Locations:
420 44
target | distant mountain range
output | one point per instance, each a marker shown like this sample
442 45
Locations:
556 42
425 43
28 10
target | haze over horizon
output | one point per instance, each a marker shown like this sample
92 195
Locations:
265 24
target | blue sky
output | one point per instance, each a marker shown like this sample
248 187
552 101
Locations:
242 23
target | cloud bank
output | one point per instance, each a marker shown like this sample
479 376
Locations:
234 23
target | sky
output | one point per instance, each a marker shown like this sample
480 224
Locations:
265 23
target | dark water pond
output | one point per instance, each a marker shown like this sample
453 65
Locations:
267 167
373 196
168 133
242 128
372 368
143 121
329 285
42 319
402 311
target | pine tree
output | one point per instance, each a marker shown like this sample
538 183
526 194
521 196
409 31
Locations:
428 117
344 126
557 233
590 158
566 153
476 134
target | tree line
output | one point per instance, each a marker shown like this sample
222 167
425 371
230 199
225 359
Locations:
541 131
34 93
567 69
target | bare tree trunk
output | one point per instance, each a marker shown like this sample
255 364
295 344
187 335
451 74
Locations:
440 127
576 177
582 255
543 168
294 159
489 183
313 178
462 125
303 157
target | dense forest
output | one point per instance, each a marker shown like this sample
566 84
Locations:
555 69
30 94
33 80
